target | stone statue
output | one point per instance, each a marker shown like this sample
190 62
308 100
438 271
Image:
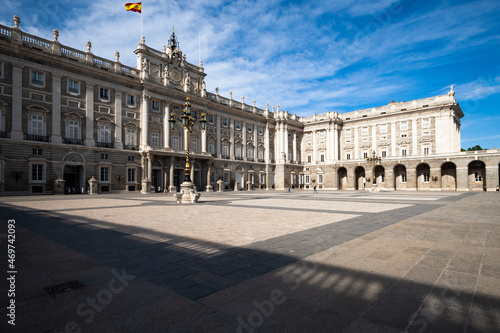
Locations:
144 64
187 79
203 86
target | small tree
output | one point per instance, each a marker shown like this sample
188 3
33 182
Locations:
476 147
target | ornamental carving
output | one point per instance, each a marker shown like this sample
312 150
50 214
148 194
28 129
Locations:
384 144
404 143
73 158
426 140
365 146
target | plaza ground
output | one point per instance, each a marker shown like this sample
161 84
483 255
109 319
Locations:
258 261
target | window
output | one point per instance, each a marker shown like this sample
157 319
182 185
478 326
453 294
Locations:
237 125
237 151
320 179
426 122
73 129
427 177
104 94
260 130
322 142
211 147
226 177
194 145
308 135
403 152
308 179
365 155
104 156
211 118
131 175
322 157
365 140
131 158
224 122
225 149
130 100
347 132
364 131
403 126
322 134
37 151
309 158
478 176
104 174
73 87
176 142
37 79
130 137
384 153
37 125
249 128
403 177
348 141
155 105
104 133
383 137
426 150
382 178
260 154
250 153
348 156
37 173
155 139
309 144
404 135
426 132
383 128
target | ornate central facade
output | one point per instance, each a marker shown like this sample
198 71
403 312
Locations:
67 115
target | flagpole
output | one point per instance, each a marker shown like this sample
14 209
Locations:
141 23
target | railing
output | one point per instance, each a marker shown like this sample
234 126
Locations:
130 147
102 62
34 40
238 158
261 160
35 137
73 141
130 71
104 144
250 159
72 53
4 31
211 96
226 157
224 100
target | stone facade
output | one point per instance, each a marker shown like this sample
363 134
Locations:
67 116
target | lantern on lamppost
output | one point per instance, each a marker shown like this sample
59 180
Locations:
187 121
374 160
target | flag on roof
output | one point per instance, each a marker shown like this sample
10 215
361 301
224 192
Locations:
135 7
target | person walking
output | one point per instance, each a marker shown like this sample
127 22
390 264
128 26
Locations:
315 189
498 189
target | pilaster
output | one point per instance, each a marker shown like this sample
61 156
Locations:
17 104
56 110
462 178
118 120
89 116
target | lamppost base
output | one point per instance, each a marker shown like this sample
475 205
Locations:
187 194
374 188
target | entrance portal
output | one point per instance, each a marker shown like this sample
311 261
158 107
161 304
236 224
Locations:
74 179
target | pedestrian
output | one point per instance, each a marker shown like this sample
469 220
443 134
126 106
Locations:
498 188
484 188
315 189
289 189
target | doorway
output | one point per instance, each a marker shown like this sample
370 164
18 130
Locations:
74 179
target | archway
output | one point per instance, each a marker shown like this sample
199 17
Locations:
239 177
74 173
400 177
380 176
156 175
449 177
423 177
342 178
477 173
360 180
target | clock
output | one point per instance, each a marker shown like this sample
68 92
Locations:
175 75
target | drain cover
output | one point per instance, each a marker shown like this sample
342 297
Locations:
64 287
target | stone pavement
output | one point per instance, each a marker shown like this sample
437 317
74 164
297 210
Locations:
259 261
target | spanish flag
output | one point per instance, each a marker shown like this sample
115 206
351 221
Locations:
135 7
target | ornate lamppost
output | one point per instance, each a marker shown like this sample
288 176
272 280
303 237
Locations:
188 191
374 160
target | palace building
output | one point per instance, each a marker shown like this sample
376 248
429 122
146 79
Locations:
67 116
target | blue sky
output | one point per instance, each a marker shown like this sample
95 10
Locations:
307 56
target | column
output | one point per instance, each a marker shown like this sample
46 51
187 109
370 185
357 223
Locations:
336 146
149 157
267 144
144 120
374 139
143 166
285 139
209 186
315 147
171 178
414 138
166 125
411 178
393 139
491 177
89 116
389 179
356 144
218 151
231 134
192 172
462 178
17 104
243 140
276 148
295 147
56 110
204 139
118 120
328 134
255 144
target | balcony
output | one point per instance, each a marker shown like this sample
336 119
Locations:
214 155
261 160
226 157
35 137
73 141
238 158
250 159
130 147
104 144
